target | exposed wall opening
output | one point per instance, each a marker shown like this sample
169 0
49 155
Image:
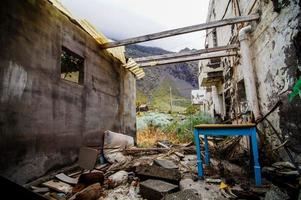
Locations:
214 37
72 66
242 97
227 97
241 91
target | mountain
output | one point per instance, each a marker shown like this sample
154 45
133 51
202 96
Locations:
154 88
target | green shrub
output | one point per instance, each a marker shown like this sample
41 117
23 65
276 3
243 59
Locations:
184 128
179 125
153 119
192 109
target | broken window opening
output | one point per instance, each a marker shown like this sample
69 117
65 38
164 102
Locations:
241 91
227 97
242 97
214 37
72 66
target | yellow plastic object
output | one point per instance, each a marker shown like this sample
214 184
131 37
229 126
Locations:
223 185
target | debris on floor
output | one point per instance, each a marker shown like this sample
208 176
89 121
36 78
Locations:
165 171
186 194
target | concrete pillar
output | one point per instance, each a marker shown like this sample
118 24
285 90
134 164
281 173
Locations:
216 100
248 71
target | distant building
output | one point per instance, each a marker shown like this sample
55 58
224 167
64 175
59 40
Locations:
198 96
267 66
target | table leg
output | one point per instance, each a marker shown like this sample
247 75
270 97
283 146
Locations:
207 157
198 152
257 170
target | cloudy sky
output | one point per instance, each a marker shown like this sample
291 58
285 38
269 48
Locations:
122 19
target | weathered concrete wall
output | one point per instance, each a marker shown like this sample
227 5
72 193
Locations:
129 106
44 120
277 67
276 55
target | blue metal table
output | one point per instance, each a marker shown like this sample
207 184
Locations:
226 130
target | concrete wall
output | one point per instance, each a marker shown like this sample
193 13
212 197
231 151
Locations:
44 120
276 56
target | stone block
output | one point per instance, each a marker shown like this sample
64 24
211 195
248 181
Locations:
152 189
167 164
148 172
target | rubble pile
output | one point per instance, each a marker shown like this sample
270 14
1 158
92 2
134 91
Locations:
122 171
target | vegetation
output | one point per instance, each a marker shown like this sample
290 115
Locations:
141 98
175 128
160 98
192 109
154 90
184 128
296 90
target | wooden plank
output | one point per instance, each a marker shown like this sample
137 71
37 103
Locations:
58 186
183 30
224 126
135 70
67 179
189 53
51 176
39 189
140 74
184 59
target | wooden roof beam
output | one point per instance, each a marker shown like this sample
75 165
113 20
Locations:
178 31
184 59
185 54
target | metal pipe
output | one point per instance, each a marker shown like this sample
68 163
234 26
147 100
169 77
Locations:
248 71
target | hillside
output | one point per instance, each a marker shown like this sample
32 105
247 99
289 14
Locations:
154 88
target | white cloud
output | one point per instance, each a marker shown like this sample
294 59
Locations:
120 19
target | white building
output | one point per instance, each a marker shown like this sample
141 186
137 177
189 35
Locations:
267 65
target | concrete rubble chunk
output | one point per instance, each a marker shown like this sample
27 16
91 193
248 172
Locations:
113 140
275 194
122 192
167 164
206 191
189 194
118 178
154 171
283 165
156 189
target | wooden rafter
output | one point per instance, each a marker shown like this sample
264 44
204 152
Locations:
185 59
183 30
185 54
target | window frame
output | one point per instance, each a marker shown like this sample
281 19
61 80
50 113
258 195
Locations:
81 74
